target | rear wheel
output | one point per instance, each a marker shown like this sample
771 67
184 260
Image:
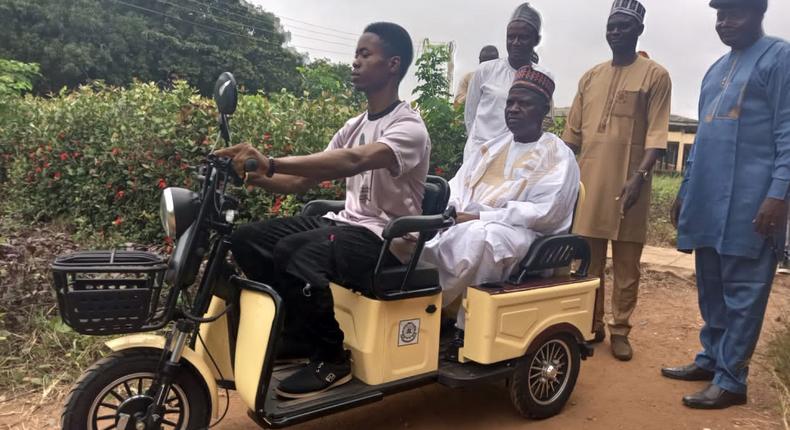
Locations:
116 389
543 381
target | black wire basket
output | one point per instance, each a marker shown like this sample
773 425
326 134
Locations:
110 292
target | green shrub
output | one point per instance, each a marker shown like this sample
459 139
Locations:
445 125
779 360
660 231
100 156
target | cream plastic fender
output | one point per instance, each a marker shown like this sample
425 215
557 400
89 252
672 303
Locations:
158 342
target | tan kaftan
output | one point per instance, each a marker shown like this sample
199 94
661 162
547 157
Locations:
618 113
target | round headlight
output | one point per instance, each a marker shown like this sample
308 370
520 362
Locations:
178 209
167 213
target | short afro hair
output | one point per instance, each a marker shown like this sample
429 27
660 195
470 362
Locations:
396 42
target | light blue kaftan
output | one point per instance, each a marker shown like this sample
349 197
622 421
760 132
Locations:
741 157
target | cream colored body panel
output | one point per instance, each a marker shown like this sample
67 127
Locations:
383 337
215 337
158 342
255 329
502 326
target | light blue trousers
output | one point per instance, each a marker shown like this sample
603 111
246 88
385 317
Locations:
733 295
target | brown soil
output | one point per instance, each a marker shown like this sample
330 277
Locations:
609 395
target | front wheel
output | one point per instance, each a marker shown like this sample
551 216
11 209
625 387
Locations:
543 381
115 390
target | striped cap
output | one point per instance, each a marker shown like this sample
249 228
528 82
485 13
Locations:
525 12
527 77
629 7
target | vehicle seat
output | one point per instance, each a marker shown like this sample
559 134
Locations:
556 252
414 279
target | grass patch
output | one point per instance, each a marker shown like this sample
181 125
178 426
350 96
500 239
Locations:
659 230
38 352
43 356
779 357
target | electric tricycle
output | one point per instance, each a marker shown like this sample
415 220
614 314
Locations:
193 325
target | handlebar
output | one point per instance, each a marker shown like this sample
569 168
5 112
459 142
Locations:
251 165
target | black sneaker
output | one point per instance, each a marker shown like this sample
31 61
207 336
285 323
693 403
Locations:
315 378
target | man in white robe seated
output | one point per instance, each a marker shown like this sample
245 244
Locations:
513 190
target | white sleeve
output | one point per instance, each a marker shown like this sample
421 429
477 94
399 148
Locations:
472 100
456 188
549 209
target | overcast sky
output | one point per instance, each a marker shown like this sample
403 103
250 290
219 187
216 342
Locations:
679 34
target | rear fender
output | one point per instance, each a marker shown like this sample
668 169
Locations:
150 341
562 328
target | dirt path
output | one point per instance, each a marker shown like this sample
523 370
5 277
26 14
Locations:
610 395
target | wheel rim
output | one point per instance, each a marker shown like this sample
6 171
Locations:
122 396
549 372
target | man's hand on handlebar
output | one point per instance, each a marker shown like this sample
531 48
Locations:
248 162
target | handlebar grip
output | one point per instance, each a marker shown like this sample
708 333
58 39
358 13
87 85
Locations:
251 165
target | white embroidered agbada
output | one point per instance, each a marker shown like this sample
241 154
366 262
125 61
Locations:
484 113
522 191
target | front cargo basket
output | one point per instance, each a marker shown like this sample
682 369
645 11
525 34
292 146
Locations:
110 292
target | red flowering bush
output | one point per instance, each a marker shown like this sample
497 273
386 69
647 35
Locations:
99 157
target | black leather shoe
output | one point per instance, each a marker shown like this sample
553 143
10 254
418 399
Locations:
714 397
690 372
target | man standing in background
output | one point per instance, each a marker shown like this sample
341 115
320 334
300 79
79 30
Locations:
619 122
485 101
488 53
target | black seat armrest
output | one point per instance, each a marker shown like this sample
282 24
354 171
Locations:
416 224
553 252
323 207
426 226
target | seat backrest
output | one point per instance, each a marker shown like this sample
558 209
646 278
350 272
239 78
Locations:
437 194
558 251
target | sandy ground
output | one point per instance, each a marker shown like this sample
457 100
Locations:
609 395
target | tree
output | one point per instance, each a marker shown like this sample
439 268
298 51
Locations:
445 123
118 41
16 77
322 77
432 74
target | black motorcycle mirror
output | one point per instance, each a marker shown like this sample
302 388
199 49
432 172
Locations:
226 97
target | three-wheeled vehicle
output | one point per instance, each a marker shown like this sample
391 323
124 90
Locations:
222 328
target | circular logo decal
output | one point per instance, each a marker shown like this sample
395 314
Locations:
408 333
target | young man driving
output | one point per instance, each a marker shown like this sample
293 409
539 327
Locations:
384 155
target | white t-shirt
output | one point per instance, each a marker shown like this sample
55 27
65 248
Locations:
376 197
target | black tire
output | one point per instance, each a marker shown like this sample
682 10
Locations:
94 402
543 381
